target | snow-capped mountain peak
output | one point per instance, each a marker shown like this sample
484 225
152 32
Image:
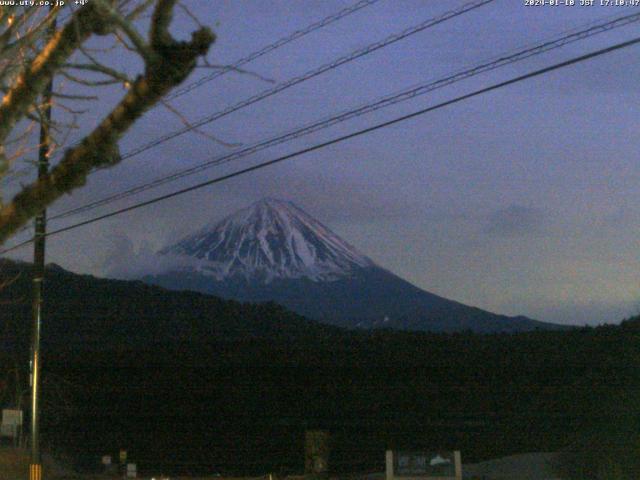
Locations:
271 239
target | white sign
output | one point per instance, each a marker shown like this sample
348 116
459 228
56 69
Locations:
11 417
11 421
424 465
106 460
131 470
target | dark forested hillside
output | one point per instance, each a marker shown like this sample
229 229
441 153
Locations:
85 310
236 396
243 405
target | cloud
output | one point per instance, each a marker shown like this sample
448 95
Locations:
123 259
515 220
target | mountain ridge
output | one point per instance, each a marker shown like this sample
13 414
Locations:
274 251
366 300
84 310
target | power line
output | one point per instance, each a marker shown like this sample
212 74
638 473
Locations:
310 74
340 139
386 101
249 58
361 52
275 45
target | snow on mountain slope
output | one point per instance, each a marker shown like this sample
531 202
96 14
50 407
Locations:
273 251
271 239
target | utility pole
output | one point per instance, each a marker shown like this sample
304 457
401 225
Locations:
35 467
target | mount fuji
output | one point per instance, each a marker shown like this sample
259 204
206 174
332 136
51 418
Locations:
274 251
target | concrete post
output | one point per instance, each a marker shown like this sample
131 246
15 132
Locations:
316 453
389 464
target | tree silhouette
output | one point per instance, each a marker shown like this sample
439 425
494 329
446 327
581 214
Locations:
37 44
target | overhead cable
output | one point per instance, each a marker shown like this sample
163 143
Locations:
271 47
383 102
236 66
361 52
340 139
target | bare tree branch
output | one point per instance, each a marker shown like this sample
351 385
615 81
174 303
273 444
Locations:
188 124
86 82
30 36
139 10
168 64
32 81
127 27
100 68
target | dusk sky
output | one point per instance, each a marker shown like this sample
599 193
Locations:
522 201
